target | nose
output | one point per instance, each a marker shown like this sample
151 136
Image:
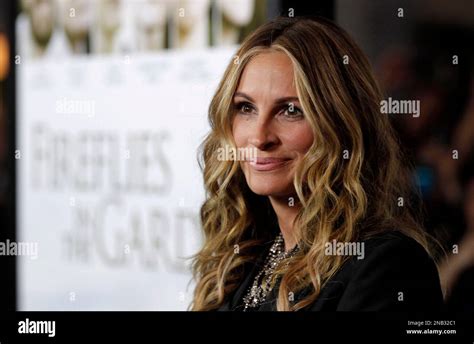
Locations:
262 135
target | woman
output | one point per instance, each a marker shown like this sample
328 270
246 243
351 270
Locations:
323 218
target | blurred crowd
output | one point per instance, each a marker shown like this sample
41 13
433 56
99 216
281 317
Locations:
438 70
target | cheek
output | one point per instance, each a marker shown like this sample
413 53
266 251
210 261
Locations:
239 132
299 139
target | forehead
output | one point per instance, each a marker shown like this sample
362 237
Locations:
268 74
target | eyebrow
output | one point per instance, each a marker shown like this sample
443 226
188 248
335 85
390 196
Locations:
277 101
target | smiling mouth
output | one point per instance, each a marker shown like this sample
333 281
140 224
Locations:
268 164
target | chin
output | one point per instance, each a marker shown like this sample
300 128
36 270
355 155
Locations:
269 186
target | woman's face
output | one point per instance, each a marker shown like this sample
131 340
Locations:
268 119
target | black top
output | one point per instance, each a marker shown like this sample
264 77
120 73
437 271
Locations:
462 297
396 274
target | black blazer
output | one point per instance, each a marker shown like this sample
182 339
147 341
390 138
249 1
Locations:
396 274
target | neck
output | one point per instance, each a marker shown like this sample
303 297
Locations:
286 212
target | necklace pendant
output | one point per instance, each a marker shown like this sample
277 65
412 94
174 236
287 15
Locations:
261 286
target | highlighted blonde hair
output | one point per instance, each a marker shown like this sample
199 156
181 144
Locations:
341 199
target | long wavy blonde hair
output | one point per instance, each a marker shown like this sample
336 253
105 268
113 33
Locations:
341 199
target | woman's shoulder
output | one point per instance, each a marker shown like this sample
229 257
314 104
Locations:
392 242
391 271
382 250
388 236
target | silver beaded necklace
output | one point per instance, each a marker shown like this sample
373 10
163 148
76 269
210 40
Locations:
261 286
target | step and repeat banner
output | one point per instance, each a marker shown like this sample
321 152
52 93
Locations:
112 100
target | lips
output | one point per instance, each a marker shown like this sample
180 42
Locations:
268 163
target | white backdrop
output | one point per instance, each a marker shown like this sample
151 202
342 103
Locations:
108 181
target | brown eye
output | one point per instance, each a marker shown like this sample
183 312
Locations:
292 111
244 108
